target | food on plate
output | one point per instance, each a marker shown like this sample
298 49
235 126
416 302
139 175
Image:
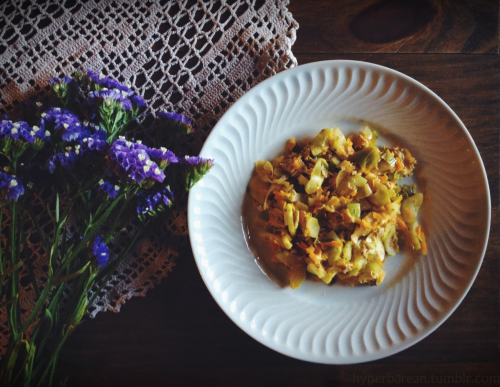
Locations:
332 208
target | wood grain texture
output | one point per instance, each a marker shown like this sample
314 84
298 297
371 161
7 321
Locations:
396 26
179 336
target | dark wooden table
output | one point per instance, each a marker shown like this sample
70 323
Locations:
178 336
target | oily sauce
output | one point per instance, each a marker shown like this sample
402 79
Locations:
275 271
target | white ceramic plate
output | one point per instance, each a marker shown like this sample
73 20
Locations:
342 324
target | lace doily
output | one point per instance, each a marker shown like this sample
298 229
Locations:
191 57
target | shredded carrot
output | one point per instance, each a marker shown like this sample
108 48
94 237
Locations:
409 214
296 164
423 243
278 195
403 227
399 165
421 236
332 244
314 254
401 224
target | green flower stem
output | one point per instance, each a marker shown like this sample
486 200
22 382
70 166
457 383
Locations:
118 217
14 278
29 263
41 233
54 301
2 266
52 256
1 250
39 304
7 367
4 275
104 275
92 229
9 301
115 129
54 251
76 311
57 206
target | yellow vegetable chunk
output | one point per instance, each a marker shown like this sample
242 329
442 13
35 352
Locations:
319 144
312 227
297 276
318 175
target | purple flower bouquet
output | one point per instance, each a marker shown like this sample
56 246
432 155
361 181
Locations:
76 151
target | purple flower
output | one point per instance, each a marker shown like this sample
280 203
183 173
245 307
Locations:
138 100
109 83
11 186
100 252
152 198
57 80
111 189
98 132
131 159
195 160
17 131
65 160
173 116
195 168
43 135
65 121
60 86
173 124
110 97
163 156
94 76
97 141
75 133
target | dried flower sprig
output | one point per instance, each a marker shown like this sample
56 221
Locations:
78 150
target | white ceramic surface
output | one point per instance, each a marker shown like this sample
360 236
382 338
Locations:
342 324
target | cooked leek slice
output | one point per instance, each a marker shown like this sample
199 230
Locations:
354 209
367 158
312 227
265 170
337 142
382 195
390 240
318 175
289 219
318 271
320 143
